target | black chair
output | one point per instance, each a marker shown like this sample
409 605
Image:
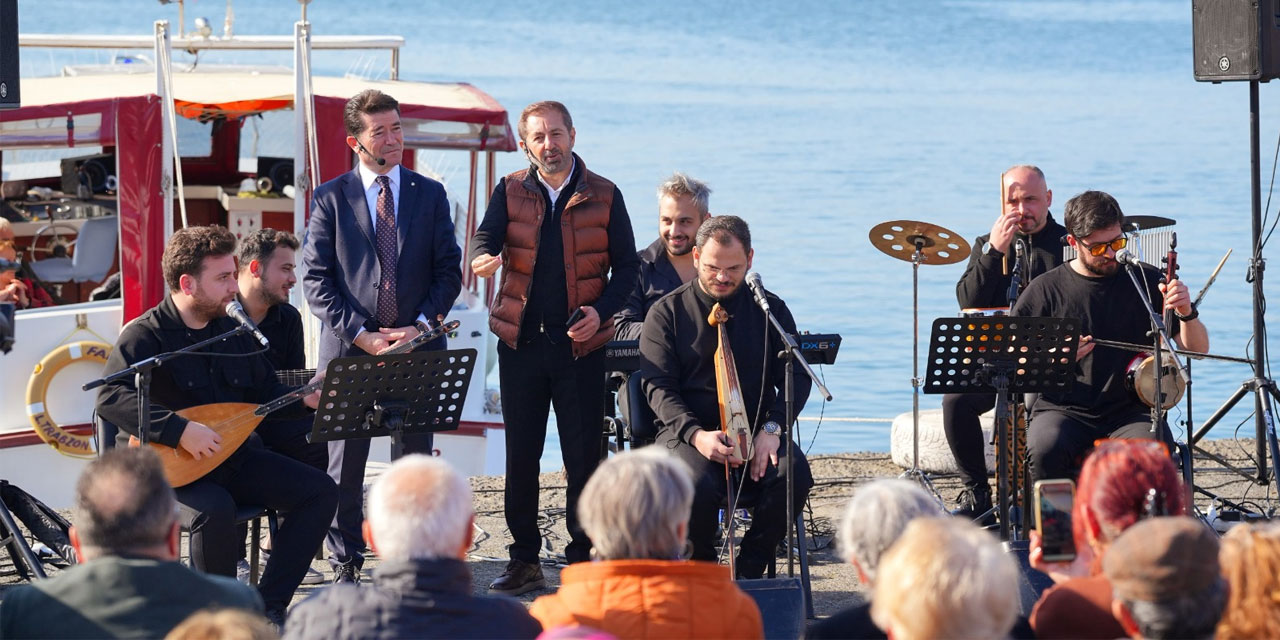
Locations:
105 433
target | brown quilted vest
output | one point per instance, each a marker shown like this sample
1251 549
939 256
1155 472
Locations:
585 233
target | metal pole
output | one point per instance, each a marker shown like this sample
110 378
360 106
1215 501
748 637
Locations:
1256 267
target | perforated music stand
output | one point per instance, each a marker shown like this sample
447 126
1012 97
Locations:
369 396
1003 355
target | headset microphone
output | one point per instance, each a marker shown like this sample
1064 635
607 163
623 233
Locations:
382 162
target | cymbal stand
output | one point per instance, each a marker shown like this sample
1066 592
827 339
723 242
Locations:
915 473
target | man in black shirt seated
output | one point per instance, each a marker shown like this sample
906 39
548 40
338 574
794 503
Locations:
678 346
200 273
1093 289
265 263
668 262
1024 217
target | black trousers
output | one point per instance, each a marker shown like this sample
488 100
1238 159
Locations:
963 429
256 476
1058 442
346 467
538 376
288 438
767 497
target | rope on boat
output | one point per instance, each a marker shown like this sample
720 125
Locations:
831 419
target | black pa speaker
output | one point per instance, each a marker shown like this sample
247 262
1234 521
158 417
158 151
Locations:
781 603
90 171
1235 40
279 170
10 97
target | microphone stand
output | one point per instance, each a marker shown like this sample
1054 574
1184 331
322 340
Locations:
1160 338
141 372
790 354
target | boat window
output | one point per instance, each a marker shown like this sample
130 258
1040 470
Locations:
195 139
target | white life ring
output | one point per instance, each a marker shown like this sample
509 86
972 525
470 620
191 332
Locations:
63 441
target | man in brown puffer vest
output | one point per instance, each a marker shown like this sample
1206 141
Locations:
564 236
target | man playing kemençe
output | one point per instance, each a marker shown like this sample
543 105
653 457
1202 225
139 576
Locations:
129 582
568 250
200 272
677 346
420 524
380 263
1024 217
667 263
1093 289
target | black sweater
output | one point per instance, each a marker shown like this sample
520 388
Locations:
984 283
677 347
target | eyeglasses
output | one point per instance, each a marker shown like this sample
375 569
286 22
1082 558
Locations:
1101 248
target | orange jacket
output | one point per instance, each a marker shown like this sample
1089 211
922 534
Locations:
651 599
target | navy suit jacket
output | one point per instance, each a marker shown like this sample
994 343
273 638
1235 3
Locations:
340 262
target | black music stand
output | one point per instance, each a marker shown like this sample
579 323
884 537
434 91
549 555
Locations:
407 393
1003 355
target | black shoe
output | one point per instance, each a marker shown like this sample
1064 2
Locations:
519 577
973 503
346 573
275 617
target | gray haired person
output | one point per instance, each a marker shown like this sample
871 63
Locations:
420 525
129 582
873 520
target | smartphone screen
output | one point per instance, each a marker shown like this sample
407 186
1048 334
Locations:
1053 519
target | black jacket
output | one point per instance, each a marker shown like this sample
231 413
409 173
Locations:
657 279
411 599
186 381
984 283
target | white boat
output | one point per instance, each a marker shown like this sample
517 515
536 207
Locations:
111 129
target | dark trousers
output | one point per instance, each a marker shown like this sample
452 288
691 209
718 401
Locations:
960 422
766 497
289 438
255 476
346 466
1059 442
538 376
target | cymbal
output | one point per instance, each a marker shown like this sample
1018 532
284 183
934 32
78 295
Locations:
938 245
1146 223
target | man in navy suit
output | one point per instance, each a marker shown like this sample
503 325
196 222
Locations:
380 263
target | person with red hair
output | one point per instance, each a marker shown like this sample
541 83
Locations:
1122 482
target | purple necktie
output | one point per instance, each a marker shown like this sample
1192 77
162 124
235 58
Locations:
385 239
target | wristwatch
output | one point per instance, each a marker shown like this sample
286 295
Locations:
1195 313
989 249
772 428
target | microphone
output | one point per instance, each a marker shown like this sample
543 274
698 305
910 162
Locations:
237 312
382 162
1124 256
757 289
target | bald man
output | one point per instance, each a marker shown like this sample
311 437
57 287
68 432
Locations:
1024 217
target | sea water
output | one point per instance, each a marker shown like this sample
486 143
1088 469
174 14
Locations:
815 121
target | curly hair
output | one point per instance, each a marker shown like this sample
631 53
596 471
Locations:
1250 559
185 253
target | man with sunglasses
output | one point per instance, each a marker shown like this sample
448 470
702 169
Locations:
1024 218
1092 288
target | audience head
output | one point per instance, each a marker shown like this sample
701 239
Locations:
224 624
636 506
1165 581
876 516
124 505
1250 559
945 578
419 509
1115 488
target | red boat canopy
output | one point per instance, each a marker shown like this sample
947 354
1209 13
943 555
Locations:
123 111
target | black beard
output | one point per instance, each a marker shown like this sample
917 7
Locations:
667 244
1107 268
